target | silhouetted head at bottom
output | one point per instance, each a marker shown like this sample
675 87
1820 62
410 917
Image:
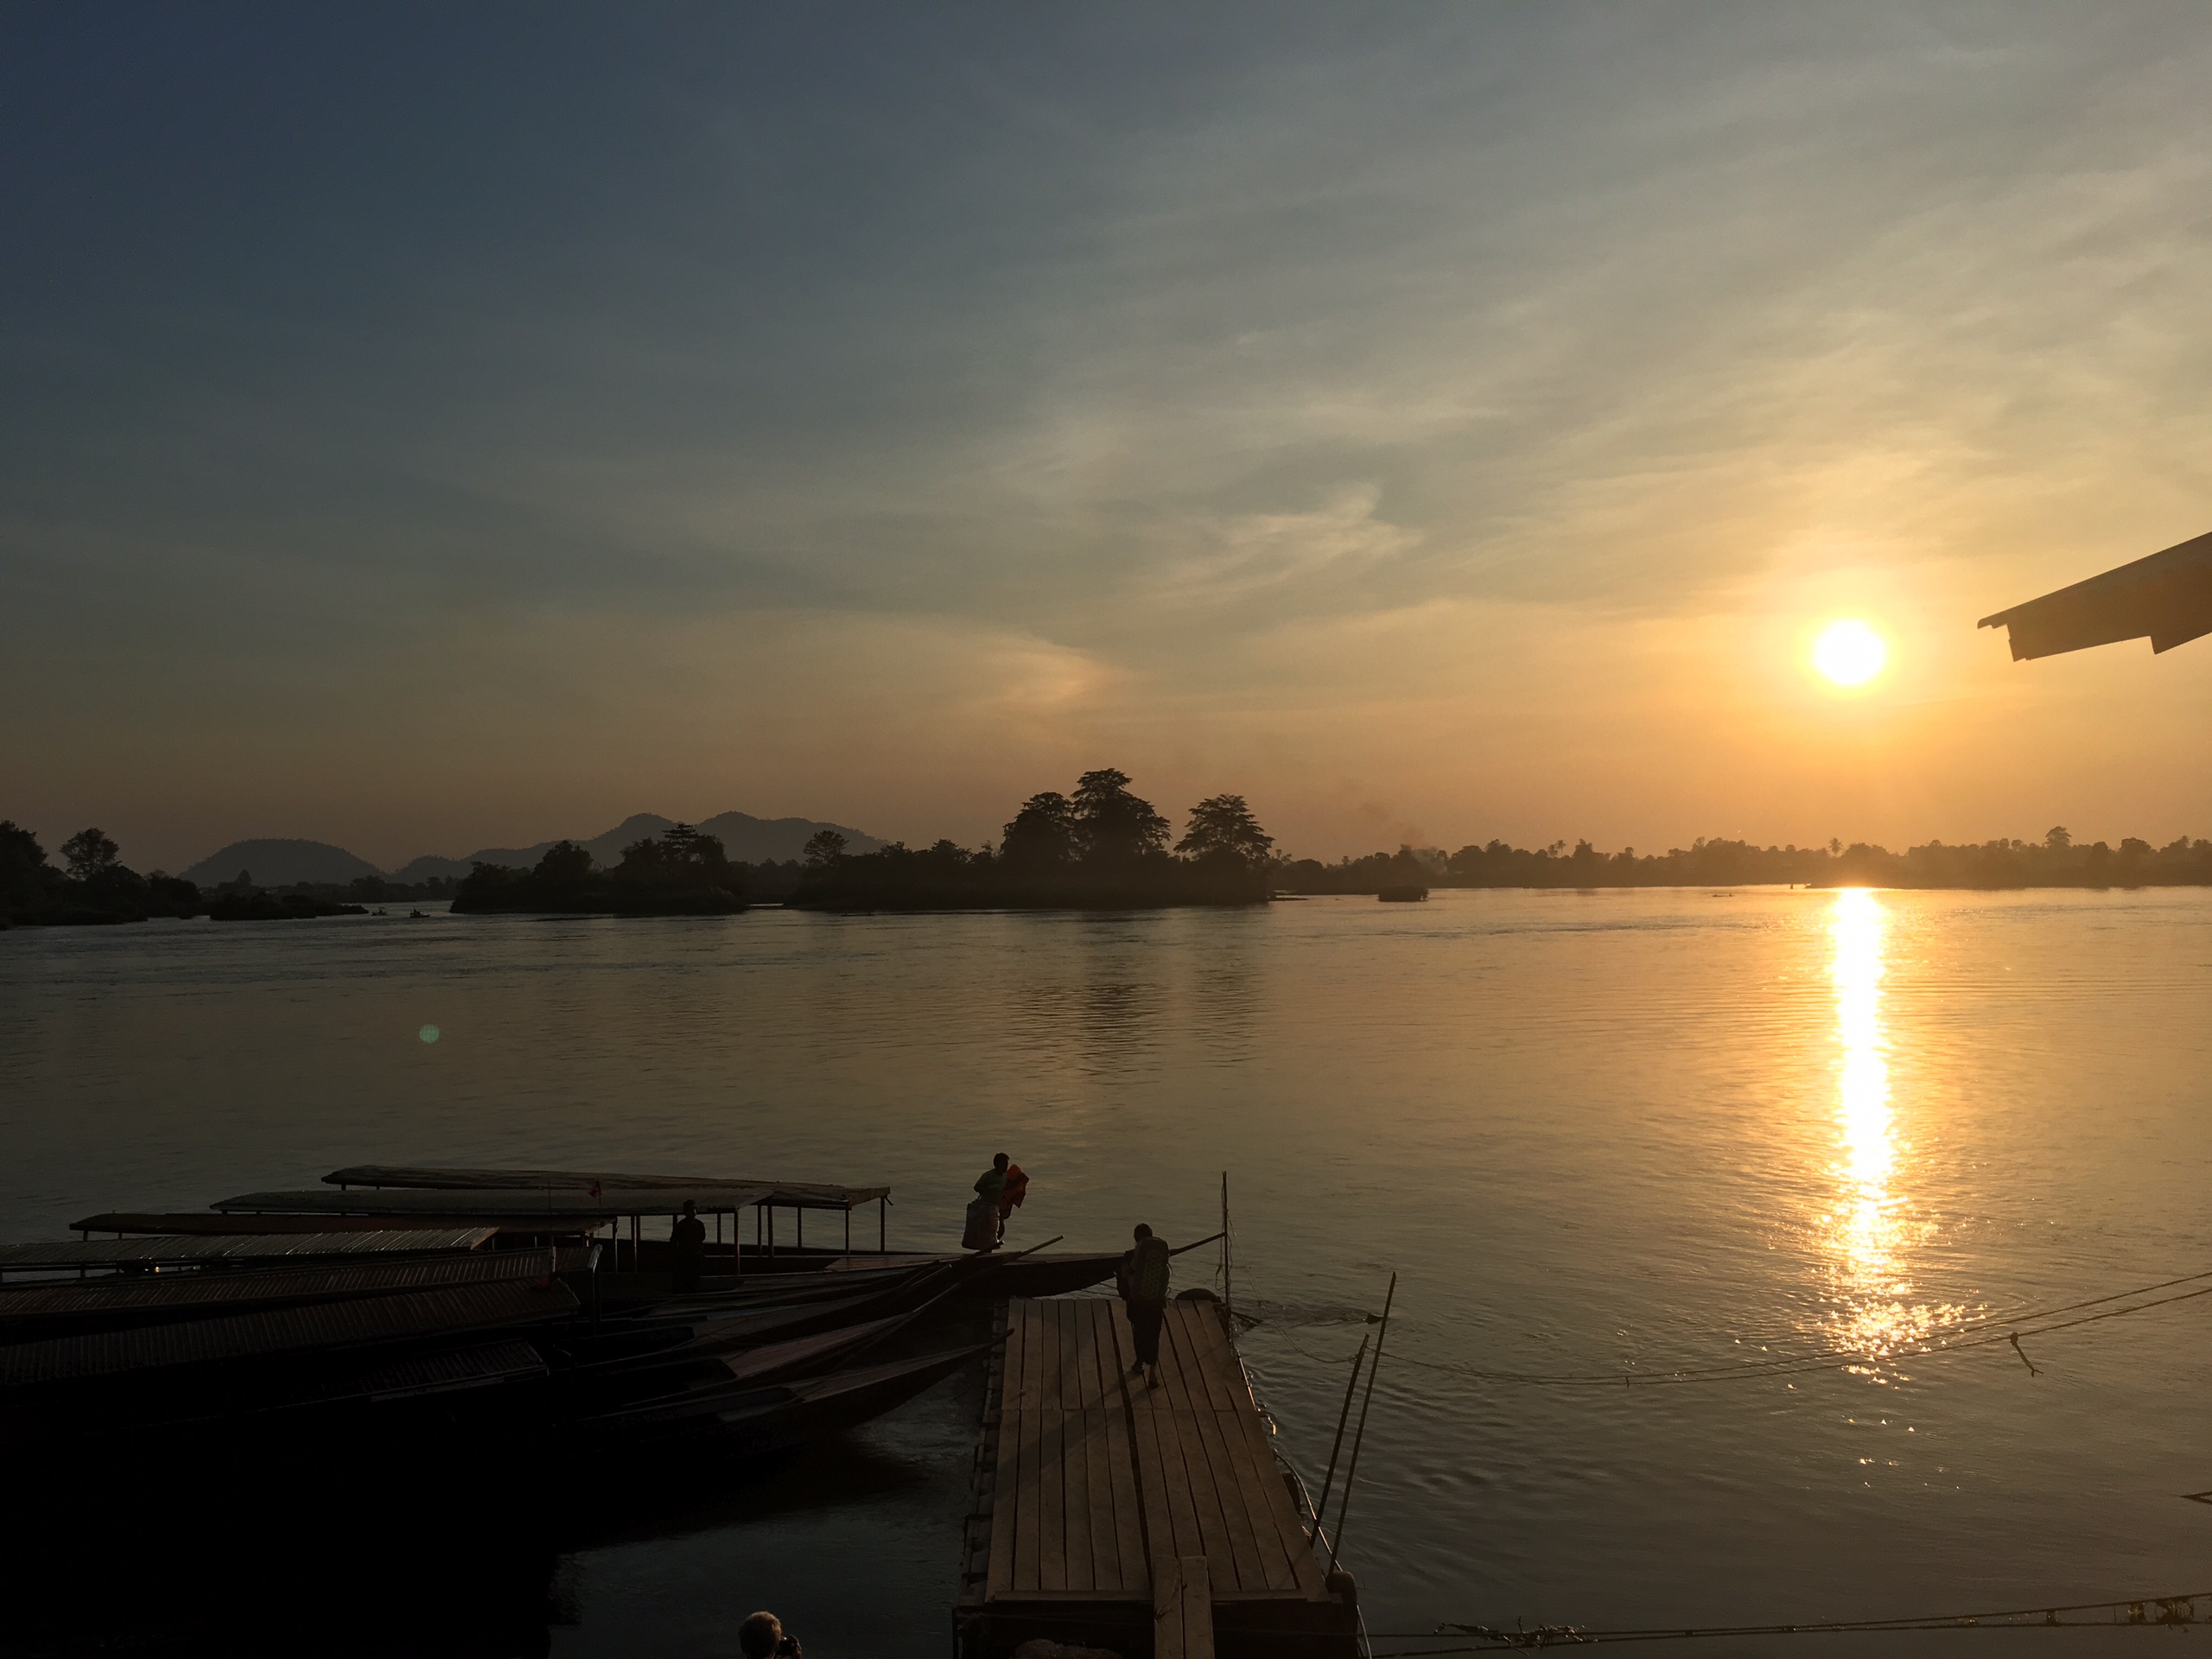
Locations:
1143 1232
762 1636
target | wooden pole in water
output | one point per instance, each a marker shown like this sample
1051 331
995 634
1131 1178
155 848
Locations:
1351 1386
883 1226
1228 1290
1360 1434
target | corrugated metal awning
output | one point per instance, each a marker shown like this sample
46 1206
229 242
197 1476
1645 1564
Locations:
207 1223
808 1195
240 1248
499 1204
184 1292
2166 598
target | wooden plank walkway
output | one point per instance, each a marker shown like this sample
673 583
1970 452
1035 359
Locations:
1147 1520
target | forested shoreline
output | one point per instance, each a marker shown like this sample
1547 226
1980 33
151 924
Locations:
2057 861
1099 848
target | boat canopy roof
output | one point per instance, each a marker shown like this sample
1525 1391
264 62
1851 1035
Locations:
255 1248
208 1223
788 1195
556 1209
304 1282
2166 597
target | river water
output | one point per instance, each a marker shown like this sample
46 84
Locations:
1593 1133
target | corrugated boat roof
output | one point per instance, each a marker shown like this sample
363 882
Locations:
202 1223
240 1248
824 1195
506 1203
327 1325
127 1293
2166 597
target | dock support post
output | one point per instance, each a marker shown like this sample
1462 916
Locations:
849 1230
883 1226
1228 1290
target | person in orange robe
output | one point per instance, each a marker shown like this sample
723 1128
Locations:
1011 1195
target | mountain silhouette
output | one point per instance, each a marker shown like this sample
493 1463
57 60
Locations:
743 836
280 863
276 863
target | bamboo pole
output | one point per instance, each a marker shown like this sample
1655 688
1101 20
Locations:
1351 1386
1358 1435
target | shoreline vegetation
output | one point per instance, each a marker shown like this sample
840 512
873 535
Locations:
2057 861
1100 848
98 889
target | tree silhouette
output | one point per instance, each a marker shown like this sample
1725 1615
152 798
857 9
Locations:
824 846
564 864
1043 832
89 853
1222 826
1111 823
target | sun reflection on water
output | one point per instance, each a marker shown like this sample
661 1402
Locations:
1872 1225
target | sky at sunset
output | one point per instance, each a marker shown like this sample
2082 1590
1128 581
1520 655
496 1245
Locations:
428 427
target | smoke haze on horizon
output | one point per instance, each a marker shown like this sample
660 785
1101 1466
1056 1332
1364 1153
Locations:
429 429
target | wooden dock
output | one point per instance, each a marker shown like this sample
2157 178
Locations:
1153 1522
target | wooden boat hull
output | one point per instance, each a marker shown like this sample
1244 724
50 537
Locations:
747 1421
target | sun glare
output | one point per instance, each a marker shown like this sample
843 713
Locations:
1849 653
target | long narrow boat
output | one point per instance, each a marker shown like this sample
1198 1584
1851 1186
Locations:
748 1420
128 1300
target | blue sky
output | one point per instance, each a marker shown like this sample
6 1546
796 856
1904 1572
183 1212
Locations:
433 426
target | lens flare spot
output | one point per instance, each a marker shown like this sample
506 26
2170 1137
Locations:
428 1033
1849 653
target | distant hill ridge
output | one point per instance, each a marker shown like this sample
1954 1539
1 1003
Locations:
279 863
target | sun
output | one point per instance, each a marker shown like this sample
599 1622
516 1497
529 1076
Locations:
1849 652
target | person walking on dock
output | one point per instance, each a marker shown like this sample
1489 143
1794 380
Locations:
1142 1281
984 1229
687 1248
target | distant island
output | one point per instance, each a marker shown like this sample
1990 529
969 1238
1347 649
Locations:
1100 848
681 872
743 838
